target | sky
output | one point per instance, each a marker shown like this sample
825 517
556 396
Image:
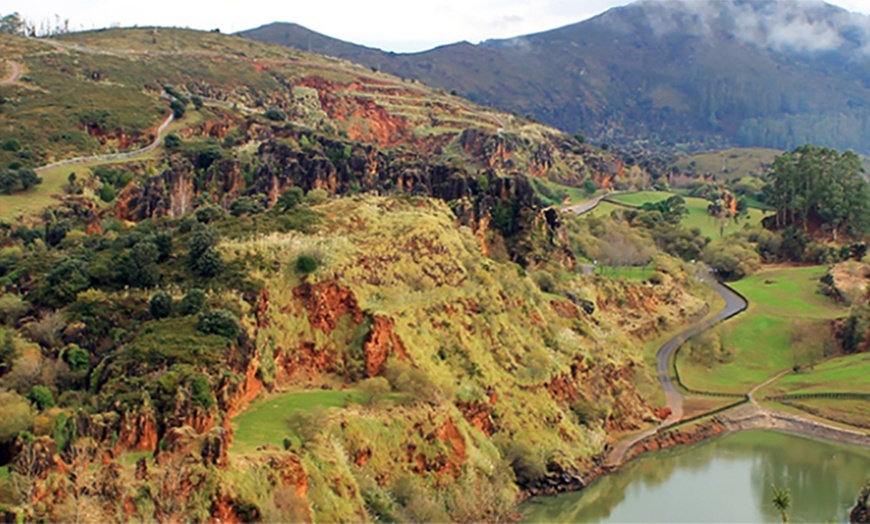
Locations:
392 25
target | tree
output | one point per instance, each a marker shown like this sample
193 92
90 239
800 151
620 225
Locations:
306 264
219 322
12 24
177 108
782 502
204 259
289 199
160 305
140 267
42 397
68 278
28 178
813 183
172 141
79 359
192 302
276 114
15 416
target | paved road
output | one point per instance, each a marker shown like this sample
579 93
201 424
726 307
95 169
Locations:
15 72
734 304
585 206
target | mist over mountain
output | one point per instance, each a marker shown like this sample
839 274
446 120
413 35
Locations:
691 73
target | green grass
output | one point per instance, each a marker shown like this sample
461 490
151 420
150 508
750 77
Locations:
265 421
784 325
4 473
698 217
636 273
844 375
729 164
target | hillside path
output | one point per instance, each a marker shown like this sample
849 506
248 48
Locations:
110 157
14 73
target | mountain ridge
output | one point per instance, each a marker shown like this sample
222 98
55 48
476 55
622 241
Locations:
693 75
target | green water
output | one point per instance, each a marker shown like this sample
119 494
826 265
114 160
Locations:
722 480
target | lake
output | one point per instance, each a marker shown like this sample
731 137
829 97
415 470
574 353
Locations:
727 479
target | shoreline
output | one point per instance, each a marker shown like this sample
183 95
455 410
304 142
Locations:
741 418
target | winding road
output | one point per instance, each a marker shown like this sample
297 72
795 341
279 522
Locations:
734 304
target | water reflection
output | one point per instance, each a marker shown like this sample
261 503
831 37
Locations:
722 480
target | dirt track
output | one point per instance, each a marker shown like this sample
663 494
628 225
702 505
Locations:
15 72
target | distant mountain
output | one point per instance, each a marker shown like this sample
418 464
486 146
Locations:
694 73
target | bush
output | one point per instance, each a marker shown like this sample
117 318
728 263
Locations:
172 141
42 397
79 359
208 214
177 108
197 102
107 193
13 144
306 264
527 464
201 392
276 114
15 416
307 424
374 389
160 305
245 206
12 307
193 302
316 196
219 322
289 199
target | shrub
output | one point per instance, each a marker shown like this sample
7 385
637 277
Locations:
306 264
527 464
42 397
374 389
160 305
15 416
276 114
177 108
210 213
172 141
219 322
79 359
12 144
307 424
12 307
197 102
289 199
316 196
245 206
107 193
201 392
193 302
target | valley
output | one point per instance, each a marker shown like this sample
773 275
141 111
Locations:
241 282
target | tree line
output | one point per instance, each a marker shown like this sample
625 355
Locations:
819 185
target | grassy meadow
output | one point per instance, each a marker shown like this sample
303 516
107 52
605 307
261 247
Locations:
785 325
729 164
698 216
265 422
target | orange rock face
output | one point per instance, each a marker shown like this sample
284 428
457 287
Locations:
381 342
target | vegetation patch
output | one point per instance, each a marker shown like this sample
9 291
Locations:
267 420
785 326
